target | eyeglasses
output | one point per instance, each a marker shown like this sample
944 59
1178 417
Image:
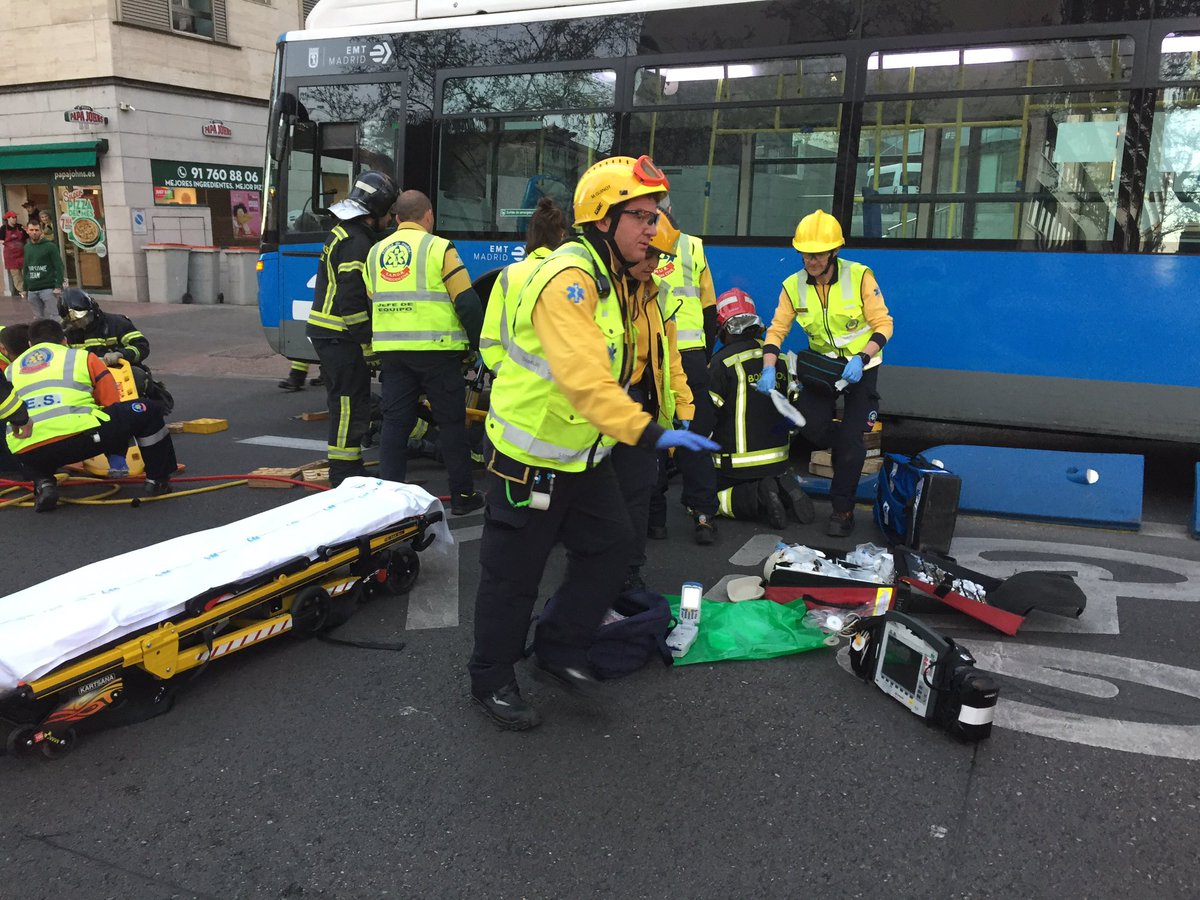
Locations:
815 256
647 173
644 216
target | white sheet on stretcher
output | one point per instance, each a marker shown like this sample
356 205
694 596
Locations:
59 620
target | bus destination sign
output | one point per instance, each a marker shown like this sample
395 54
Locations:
342 56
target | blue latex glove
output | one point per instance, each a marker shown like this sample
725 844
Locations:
686 424
853 371
685 440
766 381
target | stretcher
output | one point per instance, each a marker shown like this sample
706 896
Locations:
107 644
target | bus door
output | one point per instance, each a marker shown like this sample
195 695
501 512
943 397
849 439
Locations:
339 127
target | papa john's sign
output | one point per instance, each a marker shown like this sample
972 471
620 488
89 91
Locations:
215 129
84 115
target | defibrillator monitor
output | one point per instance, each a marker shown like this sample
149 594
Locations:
907 660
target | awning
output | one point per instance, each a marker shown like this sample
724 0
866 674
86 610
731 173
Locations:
75 155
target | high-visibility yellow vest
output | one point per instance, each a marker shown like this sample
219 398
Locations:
410 309
841 328
530 419
54 384
496 333
666 399
682 278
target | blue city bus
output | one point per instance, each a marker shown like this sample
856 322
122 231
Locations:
1024 179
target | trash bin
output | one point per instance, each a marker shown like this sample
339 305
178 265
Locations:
167 272
239 276
203 266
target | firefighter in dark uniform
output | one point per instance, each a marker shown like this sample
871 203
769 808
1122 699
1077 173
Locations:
110 336
558 405
752 478
841 310
339 324
75 407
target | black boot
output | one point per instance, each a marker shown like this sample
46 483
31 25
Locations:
840 524
294 381
508 709
798 503
770 504
45 494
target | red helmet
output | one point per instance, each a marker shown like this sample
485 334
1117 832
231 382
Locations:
735 312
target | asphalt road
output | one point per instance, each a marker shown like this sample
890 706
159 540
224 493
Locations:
304 769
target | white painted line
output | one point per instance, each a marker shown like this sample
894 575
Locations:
1165 529
433 602
271 440
755 550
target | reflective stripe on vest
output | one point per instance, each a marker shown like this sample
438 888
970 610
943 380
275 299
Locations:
839 329
684 283
530 419
410 309
746 460
59 405
496 336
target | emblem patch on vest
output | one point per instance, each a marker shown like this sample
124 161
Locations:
575 293
395 262
35 361
664 271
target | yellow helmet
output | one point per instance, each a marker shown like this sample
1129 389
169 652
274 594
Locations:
817 233
667 235
615 180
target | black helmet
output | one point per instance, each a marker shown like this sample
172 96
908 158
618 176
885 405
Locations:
75 304
372 195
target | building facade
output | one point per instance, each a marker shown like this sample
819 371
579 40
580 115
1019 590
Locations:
132 122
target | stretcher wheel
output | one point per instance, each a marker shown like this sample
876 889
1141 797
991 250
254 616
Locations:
66 743
20 741
310 609
403 567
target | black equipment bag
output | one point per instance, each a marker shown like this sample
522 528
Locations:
916 503
817 372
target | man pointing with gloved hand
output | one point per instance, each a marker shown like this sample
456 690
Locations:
558 406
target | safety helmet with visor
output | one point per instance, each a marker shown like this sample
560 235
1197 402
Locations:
736 313
818 232
613 181
666 238
77 309
373 194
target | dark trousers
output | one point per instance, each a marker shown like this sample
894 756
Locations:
699 478
348 395
637 474
588 516
844 438
141 420
407 374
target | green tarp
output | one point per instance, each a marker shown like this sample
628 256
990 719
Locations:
753 629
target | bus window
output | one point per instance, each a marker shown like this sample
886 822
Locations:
1037 165
493 169
340 129
745 164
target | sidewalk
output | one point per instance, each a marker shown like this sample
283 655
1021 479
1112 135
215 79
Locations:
189 340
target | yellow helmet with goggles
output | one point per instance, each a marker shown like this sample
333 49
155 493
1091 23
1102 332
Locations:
616 180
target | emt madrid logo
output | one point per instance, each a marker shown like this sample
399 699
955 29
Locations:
395 262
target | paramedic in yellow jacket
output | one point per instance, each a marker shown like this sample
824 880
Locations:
841 309
558 405
659 383
547 228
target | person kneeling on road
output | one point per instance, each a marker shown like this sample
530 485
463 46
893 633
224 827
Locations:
558 406
752 481
74 406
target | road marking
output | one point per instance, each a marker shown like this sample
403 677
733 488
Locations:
1058 667
433 601
271 440
1087 564
1164 529
755 550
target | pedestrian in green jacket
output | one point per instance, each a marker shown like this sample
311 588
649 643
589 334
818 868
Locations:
42 272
